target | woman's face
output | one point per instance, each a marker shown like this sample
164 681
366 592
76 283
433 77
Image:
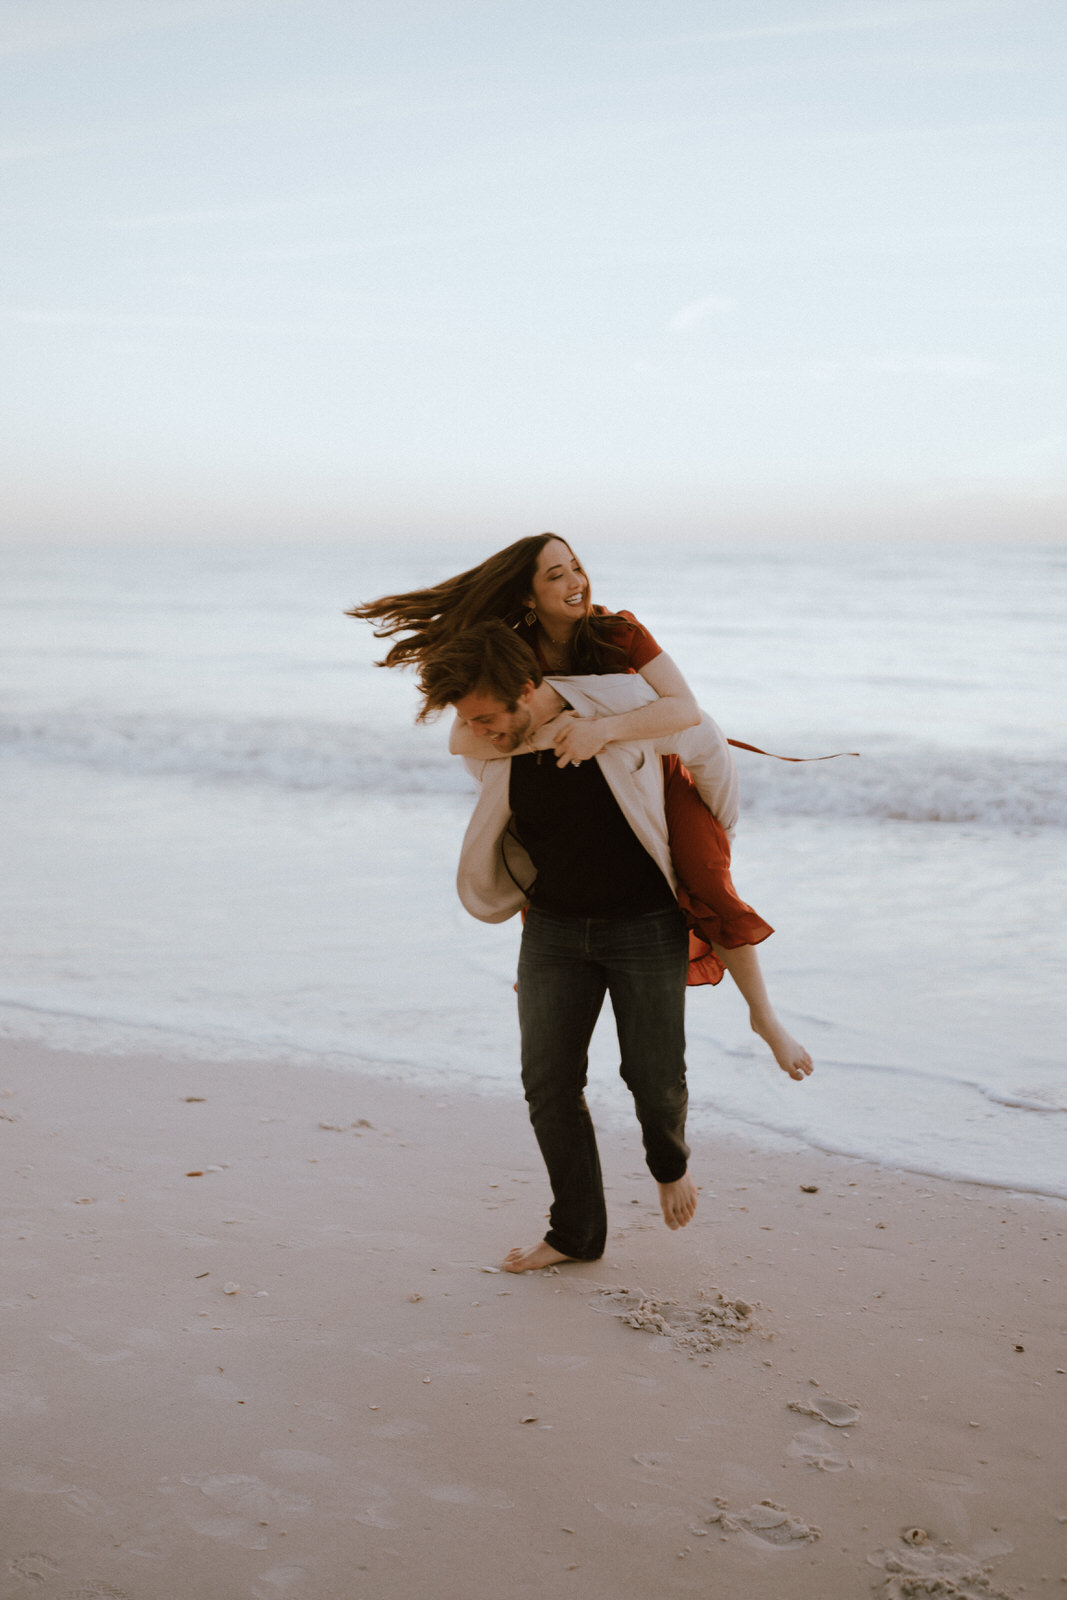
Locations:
560 588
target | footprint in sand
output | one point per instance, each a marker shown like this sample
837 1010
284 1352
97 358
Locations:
237 1507
374 1517
816 1449
697 1329
838 1413
85 1503
911 1570
35 1566
771 1523
82 1502
80 1347
287 1583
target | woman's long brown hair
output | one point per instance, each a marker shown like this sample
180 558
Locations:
498 587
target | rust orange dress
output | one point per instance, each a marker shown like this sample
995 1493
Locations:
700 849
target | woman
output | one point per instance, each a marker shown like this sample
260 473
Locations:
539 587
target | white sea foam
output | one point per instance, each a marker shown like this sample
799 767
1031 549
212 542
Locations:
275 752
917 784
921 783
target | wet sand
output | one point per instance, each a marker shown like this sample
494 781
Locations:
255 1344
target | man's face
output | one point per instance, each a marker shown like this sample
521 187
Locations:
491 720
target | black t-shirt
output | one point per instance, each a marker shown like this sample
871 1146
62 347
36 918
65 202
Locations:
589 861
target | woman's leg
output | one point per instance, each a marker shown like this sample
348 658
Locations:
743 966
701 854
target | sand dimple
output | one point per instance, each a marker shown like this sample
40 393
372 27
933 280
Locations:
292 1583
298 1461
93 1590
767 1521
925 1573
20 1396
81 1347
636 1514
212 1387
28 1480
957 1482
465 1494
399 1428
697 1329
431 1357
374 1517
838 1413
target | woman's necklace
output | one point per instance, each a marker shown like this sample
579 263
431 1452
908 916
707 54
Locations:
557 653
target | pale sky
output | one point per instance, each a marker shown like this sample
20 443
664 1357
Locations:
393 268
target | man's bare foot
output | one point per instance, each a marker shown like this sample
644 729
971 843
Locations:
679 1201
790 1055
540 1255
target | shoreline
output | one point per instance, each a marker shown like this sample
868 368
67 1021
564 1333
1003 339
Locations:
299 1375
706 1118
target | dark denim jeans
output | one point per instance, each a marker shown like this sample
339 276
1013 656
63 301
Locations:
566 965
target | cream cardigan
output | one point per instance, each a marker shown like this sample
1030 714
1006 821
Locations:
493 893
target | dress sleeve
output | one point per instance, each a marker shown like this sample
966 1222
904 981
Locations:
638 643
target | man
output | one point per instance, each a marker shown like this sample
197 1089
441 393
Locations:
585 845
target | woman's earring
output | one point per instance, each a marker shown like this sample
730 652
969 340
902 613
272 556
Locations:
530 618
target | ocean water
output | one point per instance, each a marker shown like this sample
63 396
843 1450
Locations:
223 834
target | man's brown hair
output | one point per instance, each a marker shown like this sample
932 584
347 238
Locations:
487 659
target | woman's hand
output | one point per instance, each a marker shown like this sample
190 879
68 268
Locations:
577 739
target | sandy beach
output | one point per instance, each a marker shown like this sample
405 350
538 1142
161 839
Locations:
256 1346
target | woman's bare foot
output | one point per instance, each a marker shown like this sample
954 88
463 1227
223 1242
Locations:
540 1255
679 1201
790 1055
743 966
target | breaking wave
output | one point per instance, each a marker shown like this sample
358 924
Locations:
913 784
